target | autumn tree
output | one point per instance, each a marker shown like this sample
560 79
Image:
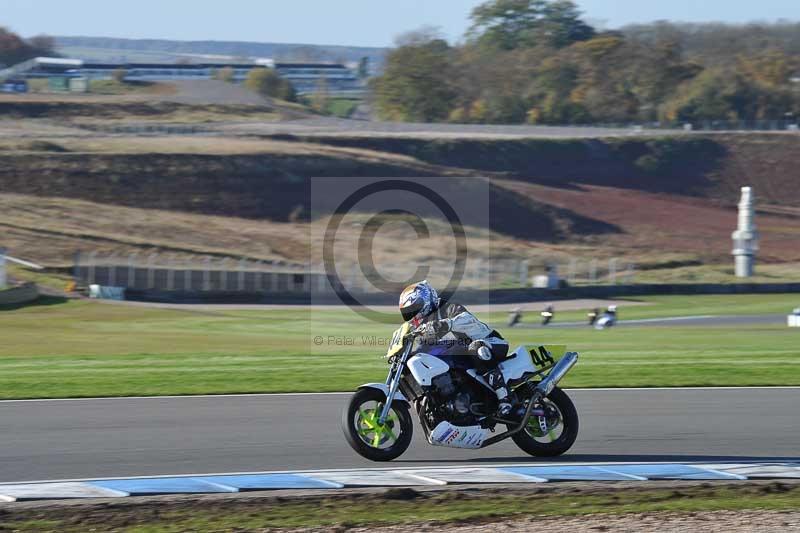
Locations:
415 85
119 75
510 24
225 74
320 98
267 82
536 61
14 49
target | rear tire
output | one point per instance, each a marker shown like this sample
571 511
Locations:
362 432
526 439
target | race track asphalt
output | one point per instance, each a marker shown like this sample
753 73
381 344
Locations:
533 321
53 439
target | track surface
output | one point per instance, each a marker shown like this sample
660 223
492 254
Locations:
721 320
155 436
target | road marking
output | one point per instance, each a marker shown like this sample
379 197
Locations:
377 477
430 471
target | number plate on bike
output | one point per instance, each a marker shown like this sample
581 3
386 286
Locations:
546 355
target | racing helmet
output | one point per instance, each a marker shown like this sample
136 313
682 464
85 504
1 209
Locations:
417 301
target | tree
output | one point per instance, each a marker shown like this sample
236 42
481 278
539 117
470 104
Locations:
225 74
119 74
416 83
536 61
267 82
511 24
43 45
716 94
319 100
771 68
14 49
561 24
363 67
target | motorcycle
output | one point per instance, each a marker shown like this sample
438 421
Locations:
609 318
548 314
455 405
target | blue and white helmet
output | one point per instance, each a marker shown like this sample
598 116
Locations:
417 301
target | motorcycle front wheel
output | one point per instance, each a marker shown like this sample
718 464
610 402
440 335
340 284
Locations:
369 438
552 435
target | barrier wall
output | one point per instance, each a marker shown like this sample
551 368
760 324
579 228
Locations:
25 293
499 296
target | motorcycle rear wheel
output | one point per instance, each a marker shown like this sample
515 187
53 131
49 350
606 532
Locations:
366 436
559 436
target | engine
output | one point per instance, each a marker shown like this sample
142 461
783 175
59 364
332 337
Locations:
455 398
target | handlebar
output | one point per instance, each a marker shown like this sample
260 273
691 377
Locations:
415 332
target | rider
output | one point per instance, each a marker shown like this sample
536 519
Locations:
451 323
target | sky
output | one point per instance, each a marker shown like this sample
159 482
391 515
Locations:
347 22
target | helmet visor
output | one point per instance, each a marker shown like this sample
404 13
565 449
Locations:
410 311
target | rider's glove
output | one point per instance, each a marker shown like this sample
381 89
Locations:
482 349
435 329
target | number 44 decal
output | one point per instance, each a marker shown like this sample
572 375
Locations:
541 357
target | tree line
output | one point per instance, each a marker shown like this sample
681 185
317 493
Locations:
14 49
539 62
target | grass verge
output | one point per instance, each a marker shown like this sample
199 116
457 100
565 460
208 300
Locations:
84 349
399 506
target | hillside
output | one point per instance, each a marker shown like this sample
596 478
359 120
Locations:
712 166
661 203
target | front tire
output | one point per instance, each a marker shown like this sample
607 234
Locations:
366 436
561 428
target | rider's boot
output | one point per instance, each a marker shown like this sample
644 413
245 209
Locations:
495 380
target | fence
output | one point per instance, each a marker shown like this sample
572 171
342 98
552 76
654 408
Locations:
165 273
158 272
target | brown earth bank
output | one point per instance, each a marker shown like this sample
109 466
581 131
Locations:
711 167
649 221
273 183
705 165
640 198
708 522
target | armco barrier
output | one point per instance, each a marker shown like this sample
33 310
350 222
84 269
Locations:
21 294
498 296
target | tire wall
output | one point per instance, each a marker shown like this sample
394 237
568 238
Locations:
24 293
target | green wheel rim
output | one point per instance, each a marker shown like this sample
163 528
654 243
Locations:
371 432
554 427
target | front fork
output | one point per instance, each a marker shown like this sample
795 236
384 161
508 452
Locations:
393 380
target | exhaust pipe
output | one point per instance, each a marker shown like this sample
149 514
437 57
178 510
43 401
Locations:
563 366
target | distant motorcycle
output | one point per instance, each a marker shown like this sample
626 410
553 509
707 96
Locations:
548 314
514 317
455 405
608 319
592 316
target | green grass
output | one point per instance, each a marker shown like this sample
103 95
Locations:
341 107
383 509
124 87
56 282
83 348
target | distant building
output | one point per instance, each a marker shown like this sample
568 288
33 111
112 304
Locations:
305 77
